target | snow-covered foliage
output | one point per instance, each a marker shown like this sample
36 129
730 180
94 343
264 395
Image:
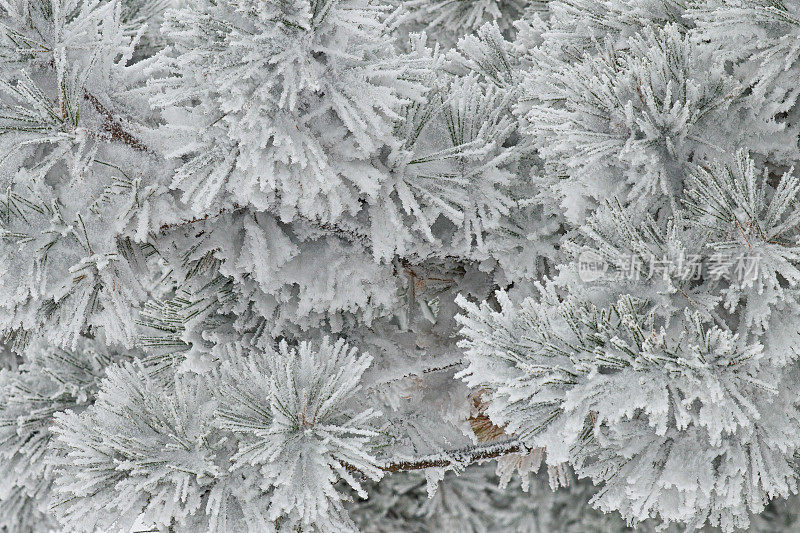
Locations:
667 418
282 105
345 265
49 381
309 434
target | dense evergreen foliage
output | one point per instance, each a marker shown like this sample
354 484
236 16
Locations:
421 265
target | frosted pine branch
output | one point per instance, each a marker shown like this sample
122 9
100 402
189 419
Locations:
343 265
457 458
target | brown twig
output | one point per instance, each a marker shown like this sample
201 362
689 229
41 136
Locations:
462 457
207 216
112 126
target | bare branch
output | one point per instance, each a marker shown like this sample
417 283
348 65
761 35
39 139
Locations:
113 126
462 457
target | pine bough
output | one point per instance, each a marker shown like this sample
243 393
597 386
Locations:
344 265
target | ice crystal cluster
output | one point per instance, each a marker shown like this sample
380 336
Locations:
399 265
